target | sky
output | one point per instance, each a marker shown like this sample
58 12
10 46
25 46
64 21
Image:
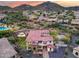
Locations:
65 3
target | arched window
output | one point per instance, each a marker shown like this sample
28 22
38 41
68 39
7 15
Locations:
76 53
34 48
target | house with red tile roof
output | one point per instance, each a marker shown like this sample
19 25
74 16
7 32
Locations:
40 41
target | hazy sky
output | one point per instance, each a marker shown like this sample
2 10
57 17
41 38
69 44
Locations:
33 3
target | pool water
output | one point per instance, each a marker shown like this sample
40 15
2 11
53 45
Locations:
3 28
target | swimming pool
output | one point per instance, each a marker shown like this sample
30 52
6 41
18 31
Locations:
3 28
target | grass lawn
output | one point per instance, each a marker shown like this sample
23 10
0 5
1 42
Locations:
66 39
21 42
54 34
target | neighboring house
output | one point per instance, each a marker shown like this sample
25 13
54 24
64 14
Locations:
66 21
63 21
6 50
22 33
32 16
59 20
76 13
60 37
75 22
52 16
76 51
2 16
36 12
43 17
52 20
61 44
11 11
26 13
40 40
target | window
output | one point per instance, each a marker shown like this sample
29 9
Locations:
50 41
39 41
44 34
34 48
34 42
44 15
50 49
44 42
40 50
29 47
54 44
76 53
39 46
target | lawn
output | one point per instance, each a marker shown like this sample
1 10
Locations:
66 39
54 34
21 42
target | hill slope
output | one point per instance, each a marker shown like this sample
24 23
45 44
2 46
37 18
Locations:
75 8
50 6
24 7
5 8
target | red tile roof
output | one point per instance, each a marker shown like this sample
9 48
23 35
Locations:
39 35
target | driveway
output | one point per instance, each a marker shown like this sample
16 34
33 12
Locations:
57 53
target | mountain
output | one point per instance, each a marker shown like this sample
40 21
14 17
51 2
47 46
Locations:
50 6
75 8
44 6
5 8
24 7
